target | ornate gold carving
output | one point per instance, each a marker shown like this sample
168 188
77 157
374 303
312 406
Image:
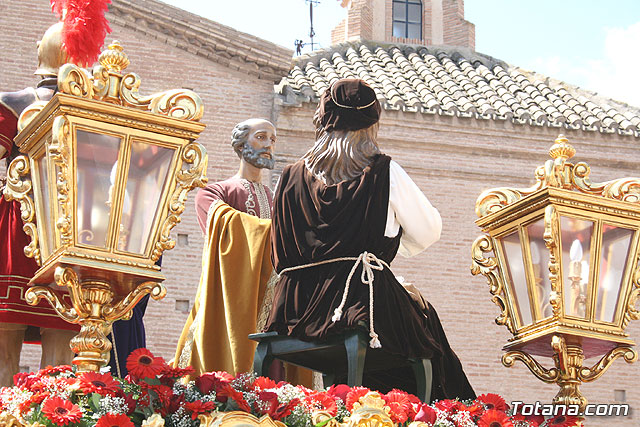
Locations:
631 310
569 372
488 267
551 236
124 308
495 199
237 419
108 84
92 306
369 411
546 375
18 188
193 154
8 420
58 151
75 81
30 113
114 59
560 173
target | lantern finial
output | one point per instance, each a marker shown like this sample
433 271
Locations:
114 59
561 149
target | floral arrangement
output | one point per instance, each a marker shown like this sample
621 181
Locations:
155 394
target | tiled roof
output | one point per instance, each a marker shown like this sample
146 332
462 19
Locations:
203 37
456 81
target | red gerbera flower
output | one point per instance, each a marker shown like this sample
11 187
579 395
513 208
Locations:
199 407
447 405
340 390
354 395
399 406
103 384
493 401
142 363
112 420
563 421
322 401
263 383
61 411
494 418
175 373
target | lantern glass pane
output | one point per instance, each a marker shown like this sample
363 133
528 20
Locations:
45 223
576 254
97 156
540 265
148 170
613 263
516 276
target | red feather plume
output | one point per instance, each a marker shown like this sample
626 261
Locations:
84 28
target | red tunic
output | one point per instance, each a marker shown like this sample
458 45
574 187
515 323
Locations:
249 197
15 268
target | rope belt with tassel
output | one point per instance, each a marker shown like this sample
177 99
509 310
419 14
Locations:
370 262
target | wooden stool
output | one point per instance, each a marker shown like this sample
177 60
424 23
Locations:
328 357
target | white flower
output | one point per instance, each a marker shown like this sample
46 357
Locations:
154 420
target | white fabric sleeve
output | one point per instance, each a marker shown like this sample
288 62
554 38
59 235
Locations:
410 209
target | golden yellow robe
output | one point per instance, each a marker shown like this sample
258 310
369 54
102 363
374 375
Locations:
236 265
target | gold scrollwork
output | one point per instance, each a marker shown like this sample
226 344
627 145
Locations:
75 81
58 150
8 420
18 188
123 309
177 103
561 174
596 371
551 236
495 199
544 374
632 312
369 411
193 154
237 419
488 267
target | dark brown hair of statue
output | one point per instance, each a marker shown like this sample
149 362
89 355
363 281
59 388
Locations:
341 155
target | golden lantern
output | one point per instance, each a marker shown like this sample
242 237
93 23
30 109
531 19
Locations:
564 271
103 179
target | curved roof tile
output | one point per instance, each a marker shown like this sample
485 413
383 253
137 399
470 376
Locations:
446 80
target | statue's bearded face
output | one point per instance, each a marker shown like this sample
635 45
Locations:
261 141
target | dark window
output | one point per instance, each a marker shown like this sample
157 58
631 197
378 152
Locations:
407 19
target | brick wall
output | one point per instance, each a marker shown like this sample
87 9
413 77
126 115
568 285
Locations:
338 33
457 31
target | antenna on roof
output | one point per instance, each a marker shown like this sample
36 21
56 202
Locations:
299 44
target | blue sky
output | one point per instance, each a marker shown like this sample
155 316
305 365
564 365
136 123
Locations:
590 43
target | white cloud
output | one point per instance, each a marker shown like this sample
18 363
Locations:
613 72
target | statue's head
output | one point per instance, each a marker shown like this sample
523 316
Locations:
254 141
51 54
346 122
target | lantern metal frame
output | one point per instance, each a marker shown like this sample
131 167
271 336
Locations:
104 282
562 190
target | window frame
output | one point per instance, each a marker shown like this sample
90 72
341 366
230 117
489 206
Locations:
406 21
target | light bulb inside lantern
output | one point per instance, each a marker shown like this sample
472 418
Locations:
575 253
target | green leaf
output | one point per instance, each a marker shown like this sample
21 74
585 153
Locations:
325 422
94 402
